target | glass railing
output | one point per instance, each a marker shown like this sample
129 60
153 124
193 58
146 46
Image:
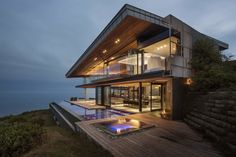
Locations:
160 56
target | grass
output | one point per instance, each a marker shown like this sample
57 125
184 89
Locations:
56 141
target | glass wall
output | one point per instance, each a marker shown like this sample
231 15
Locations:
107 100
155 57
98 70
126 96
156 98
99 95
126 65
146 97
117 67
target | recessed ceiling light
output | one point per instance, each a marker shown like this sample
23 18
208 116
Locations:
117 41
112 57
95 58
104 51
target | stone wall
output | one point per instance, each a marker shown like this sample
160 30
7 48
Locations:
214 114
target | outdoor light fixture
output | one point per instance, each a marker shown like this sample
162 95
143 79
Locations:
117 41
104 51
189 81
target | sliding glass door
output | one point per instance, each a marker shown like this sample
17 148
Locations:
99 95
156 96
107 96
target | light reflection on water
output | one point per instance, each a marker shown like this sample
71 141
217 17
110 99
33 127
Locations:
89 114
123 125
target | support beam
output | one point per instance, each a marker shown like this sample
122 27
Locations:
140 96
85 90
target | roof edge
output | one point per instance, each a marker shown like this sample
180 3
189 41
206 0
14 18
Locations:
123 9
126 10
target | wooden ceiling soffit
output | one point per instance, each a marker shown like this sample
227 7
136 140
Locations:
127 24
127 32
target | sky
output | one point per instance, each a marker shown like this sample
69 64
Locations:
41 39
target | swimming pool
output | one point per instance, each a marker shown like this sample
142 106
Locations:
90 114
122 126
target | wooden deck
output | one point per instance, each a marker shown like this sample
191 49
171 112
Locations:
90 105
167 139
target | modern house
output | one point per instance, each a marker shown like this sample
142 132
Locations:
139 62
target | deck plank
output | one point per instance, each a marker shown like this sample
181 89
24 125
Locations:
168 138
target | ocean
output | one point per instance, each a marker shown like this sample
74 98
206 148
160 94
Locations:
17 102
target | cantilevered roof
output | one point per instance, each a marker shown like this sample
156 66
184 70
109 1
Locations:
128 24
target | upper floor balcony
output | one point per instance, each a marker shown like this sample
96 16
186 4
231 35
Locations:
137 42
165 55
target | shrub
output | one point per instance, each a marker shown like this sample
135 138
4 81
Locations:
38 121
209 70
17 138
17 119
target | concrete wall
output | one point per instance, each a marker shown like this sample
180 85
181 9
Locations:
59 120
214 114
178 94
180 66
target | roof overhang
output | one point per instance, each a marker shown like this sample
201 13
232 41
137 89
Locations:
128 25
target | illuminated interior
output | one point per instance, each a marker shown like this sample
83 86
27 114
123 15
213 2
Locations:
97 70
162 48
126 96
155 58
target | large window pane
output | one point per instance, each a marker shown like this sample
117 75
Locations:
156 97
99 95
157 55
107 96
126 65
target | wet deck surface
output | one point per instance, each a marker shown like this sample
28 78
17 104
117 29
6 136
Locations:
166 139
90 105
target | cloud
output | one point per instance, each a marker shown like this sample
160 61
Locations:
40 40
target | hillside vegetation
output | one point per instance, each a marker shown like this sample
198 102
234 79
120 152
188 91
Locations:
35 134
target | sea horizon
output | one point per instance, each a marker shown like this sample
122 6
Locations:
16 102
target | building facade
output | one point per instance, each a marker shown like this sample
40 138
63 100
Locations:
140 62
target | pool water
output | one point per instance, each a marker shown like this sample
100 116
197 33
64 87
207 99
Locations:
90 114
122 126
104 113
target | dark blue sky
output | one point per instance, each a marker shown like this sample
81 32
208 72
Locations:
41 39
